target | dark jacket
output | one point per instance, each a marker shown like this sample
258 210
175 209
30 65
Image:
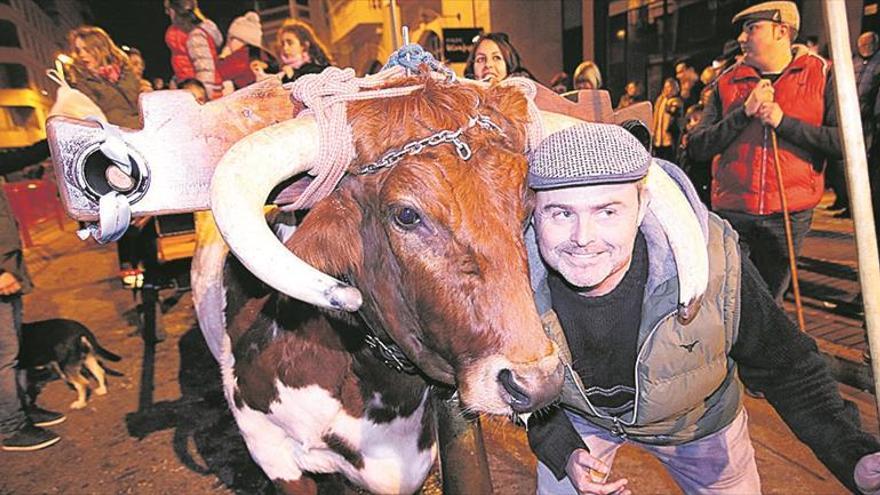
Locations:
11 255
307 68
118 101
745 177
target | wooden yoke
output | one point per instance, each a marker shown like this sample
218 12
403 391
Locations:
591 106
180 144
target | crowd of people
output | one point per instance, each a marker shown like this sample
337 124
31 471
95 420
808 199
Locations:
592 245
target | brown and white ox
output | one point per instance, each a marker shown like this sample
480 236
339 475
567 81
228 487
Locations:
432 257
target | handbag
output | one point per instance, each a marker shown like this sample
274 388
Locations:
69 101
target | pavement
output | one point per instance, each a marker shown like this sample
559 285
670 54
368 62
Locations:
831 296
164 426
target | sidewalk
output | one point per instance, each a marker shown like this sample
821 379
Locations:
164 427
831 296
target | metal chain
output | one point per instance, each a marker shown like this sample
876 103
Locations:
391 158
390 355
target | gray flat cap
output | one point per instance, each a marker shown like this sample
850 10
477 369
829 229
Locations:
588 154
783 11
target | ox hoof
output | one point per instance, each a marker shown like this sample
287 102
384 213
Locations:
77 404
101 391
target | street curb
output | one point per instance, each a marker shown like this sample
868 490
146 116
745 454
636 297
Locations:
847 365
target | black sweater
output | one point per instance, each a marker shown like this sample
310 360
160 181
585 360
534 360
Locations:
773 357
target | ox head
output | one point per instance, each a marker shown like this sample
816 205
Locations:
433 244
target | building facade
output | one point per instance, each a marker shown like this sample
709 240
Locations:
31 35
641 40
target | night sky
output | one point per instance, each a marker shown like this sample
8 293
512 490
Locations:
142 23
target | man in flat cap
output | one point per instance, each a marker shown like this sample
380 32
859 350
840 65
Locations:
641 370
770 90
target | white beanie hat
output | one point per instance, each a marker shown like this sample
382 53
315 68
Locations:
247 28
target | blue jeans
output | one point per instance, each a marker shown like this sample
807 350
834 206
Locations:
12 415
762 238
722 463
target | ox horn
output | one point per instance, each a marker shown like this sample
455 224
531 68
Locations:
242 181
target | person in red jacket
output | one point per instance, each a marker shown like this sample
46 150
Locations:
243 58
193 40
772 89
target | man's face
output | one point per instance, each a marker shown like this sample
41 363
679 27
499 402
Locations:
137 65
760 39
680 71
867 45
587 233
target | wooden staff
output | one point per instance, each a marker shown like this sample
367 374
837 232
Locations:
789 239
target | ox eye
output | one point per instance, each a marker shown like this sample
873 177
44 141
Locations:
407 218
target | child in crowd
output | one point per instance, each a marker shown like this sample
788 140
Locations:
243 60
300 51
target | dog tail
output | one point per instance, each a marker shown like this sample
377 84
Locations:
104 353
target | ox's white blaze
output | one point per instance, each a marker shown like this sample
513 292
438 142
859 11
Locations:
290 439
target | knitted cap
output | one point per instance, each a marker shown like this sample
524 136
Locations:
247 28
588 154
783 12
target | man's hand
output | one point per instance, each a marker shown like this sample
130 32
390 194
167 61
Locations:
770 114
588 475
867 474
9 284
763 93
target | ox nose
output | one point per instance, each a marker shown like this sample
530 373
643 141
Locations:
528 392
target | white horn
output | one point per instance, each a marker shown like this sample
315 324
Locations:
242 181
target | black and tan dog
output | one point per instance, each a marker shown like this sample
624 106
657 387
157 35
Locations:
65 346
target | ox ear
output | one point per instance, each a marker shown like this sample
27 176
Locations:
329 238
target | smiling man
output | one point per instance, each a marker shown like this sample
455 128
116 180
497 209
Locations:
637 369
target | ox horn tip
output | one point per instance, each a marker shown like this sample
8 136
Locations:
345 297
687 312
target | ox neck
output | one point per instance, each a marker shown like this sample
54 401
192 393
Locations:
388 353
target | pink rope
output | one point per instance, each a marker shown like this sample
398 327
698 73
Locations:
326 96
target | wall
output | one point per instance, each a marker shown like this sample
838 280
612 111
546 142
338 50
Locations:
539 42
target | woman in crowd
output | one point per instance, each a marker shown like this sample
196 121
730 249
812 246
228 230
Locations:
138 66
103 72
300 51
667 110
587 76
493 58
632 93
193 40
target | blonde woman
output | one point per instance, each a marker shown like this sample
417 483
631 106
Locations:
587 76
103 72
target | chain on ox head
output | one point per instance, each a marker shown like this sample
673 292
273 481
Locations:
390 158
